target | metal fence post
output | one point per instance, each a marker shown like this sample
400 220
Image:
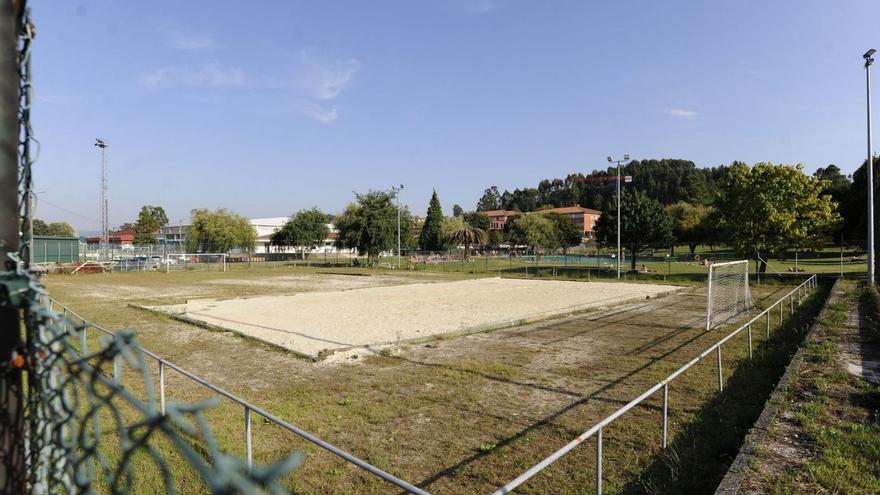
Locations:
117 368
599 462
83 341
781 311
162 387
247 434
791 303
720 374
768 323
665 412
750 341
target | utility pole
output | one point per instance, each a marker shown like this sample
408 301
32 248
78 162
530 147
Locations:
869 59
105 232
396 191
611 160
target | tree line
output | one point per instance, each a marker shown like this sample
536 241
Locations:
698 203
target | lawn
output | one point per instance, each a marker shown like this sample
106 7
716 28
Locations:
458 415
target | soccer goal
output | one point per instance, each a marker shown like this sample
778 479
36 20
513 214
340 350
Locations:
728 295
195 261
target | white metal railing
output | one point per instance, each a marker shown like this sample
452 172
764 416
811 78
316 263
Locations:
800 291
249 408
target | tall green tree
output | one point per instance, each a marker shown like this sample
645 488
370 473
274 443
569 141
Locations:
370 225
533 230
567 232
691 223
431 236
643 223
305 229
219 231
767 208
457 210
490 200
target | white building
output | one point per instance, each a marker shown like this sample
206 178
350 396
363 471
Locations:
265 227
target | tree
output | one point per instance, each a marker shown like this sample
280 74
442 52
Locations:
457 232
691 223
307 228
457 211
643 223
430 238
40 227
59 229
219 231
767 208
491 200
567 232
477 220
533 230
370 224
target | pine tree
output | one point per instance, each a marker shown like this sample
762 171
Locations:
431 238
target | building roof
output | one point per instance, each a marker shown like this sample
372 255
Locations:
572 209
500 213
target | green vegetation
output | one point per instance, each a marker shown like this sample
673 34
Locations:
586 368
370 225
431 238
150 220
768 208
830 421
643 223
456 232
307 228
219 231
55 229
533 230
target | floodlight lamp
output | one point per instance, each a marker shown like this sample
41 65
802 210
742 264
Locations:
868 54
610 160
626 157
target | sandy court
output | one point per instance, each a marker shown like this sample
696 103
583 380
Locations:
314 323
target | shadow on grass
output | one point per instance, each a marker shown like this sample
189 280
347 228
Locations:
701 452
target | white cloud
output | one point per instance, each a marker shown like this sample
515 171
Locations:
325 80
682 113
318 112
210 75
191 43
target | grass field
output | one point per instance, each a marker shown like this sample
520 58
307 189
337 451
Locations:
465 414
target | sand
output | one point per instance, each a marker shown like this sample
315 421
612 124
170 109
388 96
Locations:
317 323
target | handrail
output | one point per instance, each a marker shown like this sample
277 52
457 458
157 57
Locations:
597 428
249 407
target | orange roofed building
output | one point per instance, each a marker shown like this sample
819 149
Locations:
585 218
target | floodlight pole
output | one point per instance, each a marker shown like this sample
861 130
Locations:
397 196
625 158
105 229
868 56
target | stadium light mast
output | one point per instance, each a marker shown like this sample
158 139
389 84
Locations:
397 196
611 160
869 59
105 233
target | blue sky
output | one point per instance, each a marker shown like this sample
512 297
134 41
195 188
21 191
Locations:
269 107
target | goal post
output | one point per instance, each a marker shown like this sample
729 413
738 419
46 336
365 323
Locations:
196 261
728 295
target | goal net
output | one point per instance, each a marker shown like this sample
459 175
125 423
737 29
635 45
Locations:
728 295
195 261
